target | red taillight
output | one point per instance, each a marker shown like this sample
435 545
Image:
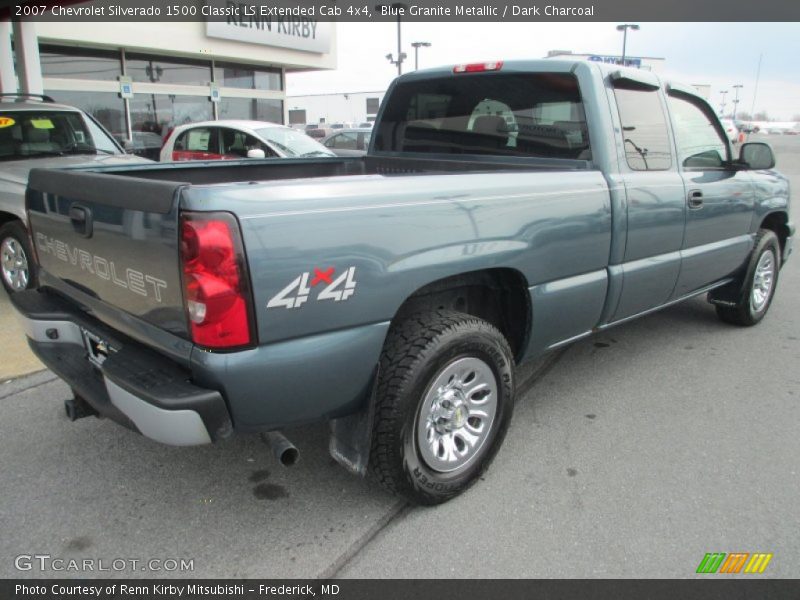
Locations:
215 287
478 67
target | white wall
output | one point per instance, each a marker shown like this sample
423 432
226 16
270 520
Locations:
334 108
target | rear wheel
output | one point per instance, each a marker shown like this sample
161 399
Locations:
16 268
444 402
758 284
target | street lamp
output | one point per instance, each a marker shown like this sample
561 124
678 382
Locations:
736 87
722 106
417 46
401 56
624 29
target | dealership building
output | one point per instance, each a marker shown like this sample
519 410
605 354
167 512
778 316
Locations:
140 78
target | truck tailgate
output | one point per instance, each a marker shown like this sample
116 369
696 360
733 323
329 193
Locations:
113 238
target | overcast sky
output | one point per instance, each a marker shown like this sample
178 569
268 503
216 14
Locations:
719 54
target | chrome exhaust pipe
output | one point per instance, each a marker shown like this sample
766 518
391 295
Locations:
281 447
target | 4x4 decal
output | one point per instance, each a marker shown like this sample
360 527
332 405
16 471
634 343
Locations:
299 290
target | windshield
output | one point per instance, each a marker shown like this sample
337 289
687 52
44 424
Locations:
30 134
292 142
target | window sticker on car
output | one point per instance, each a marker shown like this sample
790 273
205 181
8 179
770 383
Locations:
42 124
6 122
298 291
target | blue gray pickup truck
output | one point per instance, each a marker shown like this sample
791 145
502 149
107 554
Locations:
502 210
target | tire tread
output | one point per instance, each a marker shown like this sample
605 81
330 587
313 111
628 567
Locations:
408 344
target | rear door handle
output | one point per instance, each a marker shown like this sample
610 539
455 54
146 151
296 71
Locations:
695 199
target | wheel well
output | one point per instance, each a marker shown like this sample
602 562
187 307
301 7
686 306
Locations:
7 217
499 296
777 222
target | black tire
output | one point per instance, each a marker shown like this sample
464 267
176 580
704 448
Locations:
416 352
14 232
744 312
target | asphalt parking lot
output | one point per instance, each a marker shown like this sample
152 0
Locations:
631 454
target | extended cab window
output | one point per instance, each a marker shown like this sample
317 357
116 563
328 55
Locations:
531 115
644 129
700 144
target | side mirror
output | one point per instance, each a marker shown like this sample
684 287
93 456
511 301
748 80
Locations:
756 156
256 153
128 146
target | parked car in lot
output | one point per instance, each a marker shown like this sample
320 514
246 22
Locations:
393 295
318 133
348 142
234 139
37 132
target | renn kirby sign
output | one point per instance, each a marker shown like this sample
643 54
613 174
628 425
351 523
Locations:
270 26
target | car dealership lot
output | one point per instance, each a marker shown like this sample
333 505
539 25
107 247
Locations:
632 454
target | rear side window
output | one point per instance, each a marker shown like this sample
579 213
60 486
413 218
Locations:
199 139
531 115
644 129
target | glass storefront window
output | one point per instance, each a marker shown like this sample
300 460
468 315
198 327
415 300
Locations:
79 63
153 115
154 69
107 107
247 77
251 108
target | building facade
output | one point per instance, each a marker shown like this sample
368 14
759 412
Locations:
139 79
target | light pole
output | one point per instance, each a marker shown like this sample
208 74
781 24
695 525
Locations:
723 93
401 56
624 29
417 46
736 87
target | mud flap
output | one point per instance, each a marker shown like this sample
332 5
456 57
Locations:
351 436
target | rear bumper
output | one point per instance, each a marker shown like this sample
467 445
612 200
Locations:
133 385
787 248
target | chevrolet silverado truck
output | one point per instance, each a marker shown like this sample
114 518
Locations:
502 210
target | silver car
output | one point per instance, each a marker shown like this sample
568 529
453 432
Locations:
35 132
353 141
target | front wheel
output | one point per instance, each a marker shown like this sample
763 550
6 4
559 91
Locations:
758 284
16 268
444 401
